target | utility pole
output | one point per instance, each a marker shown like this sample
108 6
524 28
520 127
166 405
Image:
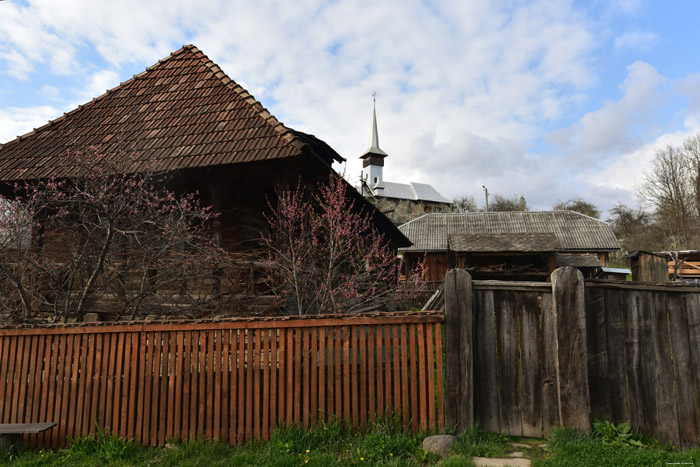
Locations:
486 195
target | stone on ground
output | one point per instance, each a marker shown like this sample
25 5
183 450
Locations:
439 444
501 462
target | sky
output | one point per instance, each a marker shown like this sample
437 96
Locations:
547 99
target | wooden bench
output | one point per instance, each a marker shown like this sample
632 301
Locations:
11 433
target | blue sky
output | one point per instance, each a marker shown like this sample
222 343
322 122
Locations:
551 100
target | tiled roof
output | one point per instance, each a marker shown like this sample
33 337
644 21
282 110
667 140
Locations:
413 191
181 112
503 242
575 232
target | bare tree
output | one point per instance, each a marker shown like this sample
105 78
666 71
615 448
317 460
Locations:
108 236
578 205
326 257
514 203
667 186
464 204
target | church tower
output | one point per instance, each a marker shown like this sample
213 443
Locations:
374 156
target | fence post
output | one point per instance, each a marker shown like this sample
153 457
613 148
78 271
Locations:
570 359
459 354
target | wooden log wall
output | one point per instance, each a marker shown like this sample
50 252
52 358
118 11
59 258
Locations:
232 380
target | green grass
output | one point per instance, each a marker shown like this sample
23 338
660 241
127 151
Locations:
385 443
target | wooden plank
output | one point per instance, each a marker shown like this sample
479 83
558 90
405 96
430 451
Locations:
693 316
256 387
157 350
18 384
422 394
439 377
485 363
647 381
33 378
338 384
396 368
630 311
615 329
683 370
49 386
372 378
405 379
11 375
203 379
508 315
355 402
5 359
135 385
250 368
109 395
597 354
550 409
117 377
233 387
282 383
143 397
531 359
413 382
571 356
291 381
42 356
178 431
186 384
160 388
346 373
61 392
72 397
380 371
459 352
266 368
172 414
387 370
127 373
430 381
313 368
225 379
304 358
218 374
208 363
402 317
323 367
242 396
666 414
298 382
363 374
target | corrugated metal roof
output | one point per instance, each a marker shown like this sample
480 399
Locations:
413 191
503 242
183 111
575 232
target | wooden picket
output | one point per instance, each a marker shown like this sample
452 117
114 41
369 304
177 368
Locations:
233 379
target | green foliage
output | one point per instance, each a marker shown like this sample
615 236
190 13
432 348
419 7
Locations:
620 434
476 442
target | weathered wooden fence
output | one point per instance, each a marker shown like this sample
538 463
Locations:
524 357
233 380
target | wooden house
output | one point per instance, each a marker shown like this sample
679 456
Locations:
519 245
185 114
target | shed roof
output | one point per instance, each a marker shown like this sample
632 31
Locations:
576 261
182 112
575 231
503 242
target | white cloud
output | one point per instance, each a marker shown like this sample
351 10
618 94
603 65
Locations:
636 40
16 121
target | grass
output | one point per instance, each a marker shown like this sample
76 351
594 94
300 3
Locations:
385 443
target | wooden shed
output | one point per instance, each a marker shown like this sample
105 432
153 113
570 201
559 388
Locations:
649 267
518 245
